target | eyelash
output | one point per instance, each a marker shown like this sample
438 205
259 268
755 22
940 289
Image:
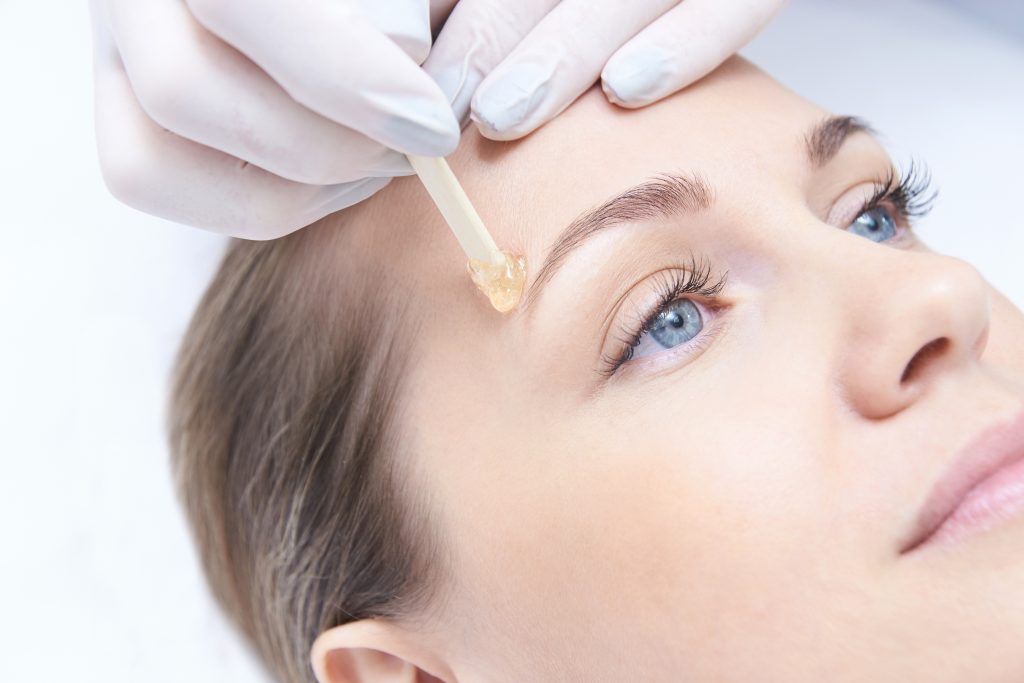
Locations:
911 195
671 285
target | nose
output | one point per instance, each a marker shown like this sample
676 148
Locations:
913 318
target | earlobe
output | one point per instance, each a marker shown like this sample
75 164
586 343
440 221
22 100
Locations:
376 651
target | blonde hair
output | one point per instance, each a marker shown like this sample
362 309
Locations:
285 450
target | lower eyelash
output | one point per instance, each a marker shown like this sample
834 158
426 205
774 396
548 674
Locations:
696 279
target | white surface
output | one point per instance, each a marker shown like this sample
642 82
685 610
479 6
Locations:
98 582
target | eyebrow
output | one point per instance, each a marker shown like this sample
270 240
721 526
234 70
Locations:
826 138
671 194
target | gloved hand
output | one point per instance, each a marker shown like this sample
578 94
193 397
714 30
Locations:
512 66
256 117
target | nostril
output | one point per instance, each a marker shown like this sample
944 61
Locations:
935 347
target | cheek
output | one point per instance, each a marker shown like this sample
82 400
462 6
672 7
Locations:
711 526
682 524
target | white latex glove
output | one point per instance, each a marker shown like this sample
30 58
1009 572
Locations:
257 117
512 66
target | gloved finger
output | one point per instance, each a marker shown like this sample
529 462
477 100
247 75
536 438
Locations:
685 44
153 169
556 63
329 57
405 22
193 84
476 37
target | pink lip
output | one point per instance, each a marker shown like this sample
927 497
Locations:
984 483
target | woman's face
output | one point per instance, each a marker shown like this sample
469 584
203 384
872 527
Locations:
730 503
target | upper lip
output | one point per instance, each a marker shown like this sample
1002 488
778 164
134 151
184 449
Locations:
986 454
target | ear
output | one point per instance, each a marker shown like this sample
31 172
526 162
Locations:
376 651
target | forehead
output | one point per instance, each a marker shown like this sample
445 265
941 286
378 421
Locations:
737 125
738 119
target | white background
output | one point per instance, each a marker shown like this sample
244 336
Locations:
98 581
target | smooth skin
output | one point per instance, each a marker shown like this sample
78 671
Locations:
731 510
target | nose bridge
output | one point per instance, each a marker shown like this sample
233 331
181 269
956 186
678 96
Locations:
907 319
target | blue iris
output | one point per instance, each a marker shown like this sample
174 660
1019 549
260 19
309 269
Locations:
677 324
877 224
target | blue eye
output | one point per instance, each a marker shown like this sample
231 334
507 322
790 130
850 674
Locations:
677 323
876 223
675 320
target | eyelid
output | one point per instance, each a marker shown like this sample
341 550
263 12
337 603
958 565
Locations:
698 282
845 209
908 195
